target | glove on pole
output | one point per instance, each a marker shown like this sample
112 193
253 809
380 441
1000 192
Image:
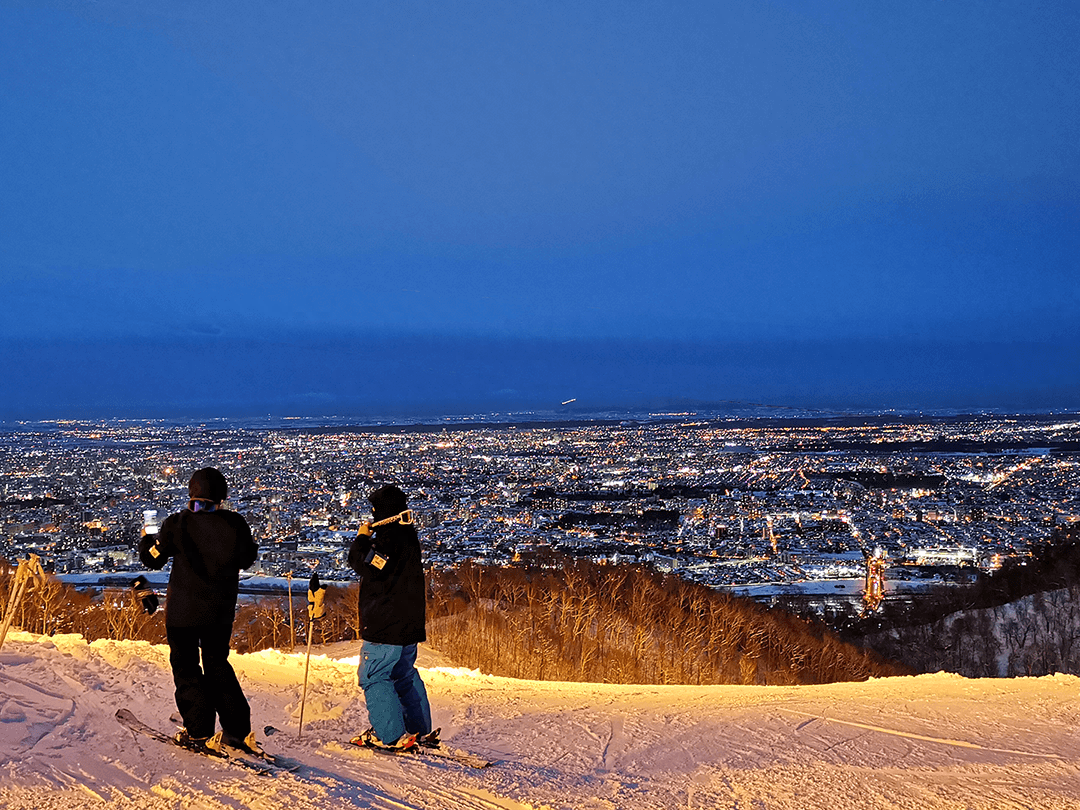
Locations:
315 594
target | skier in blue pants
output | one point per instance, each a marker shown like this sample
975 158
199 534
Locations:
386 555
396 698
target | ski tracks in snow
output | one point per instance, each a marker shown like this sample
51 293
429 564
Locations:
921 737
615 744
933 742
61 747
407 784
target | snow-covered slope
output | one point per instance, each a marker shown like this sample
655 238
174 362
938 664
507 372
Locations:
935 741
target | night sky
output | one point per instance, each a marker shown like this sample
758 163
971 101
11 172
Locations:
226 208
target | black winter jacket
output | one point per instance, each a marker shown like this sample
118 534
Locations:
392 600
208 550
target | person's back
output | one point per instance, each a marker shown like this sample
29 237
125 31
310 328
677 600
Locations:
386 556
392 597
208 546
208 549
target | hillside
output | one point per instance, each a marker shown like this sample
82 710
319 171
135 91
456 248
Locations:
934 741
1034 635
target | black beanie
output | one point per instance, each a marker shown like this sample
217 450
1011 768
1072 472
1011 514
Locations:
387 501
208 484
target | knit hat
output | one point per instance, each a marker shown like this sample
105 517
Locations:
387 501
208 484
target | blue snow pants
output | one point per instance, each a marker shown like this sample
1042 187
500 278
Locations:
397 701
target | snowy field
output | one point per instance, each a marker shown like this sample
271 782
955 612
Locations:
935 741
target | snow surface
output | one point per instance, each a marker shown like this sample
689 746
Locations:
933 741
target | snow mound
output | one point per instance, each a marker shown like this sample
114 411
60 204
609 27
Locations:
933 741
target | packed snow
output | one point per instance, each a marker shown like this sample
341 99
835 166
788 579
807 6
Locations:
934 741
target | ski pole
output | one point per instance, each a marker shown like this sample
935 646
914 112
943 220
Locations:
316 592
303 698
292 623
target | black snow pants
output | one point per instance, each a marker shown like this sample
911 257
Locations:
209 691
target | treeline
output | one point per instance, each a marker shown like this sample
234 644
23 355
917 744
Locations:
576 622
1035 635
50 607
627 624
1051 565
871 479
1023 619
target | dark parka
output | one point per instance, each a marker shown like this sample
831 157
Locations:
392 599
208 550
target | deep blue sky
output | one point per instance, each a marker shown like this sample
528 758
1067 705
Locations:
337 207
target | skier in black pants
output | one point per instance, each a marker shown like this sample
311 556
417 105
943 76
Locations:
208 546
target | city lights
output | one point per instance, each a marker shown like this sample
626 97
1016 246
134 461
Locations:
760 507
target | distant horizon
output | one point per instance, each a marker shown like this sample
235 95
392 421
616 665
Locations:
365 374
729 412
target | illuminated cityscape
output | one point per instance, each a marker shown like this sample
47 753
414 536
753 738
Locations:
758 506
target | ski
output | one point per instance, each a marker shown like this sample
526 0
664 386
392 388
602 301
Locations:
427 749
256 765
455 754
273 760
438 750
